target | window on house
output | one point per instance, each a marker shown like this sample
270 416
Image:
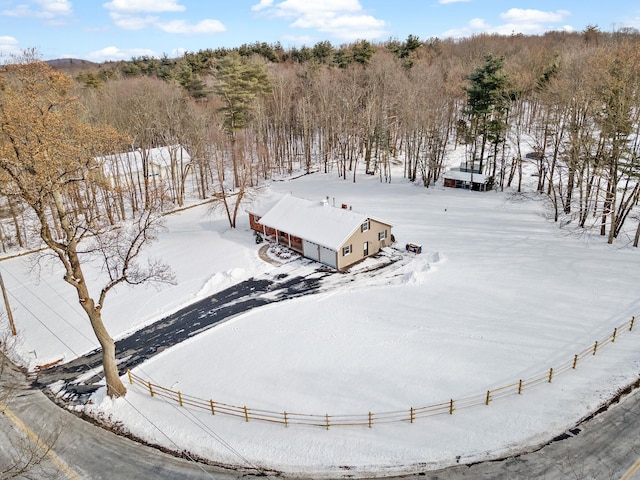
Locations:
365 226
346 250
382 235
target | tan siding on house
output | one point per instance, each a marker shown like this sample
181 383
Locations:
314 229
357 239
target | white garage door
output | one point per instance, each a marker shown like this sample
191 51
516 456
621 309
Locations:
319 253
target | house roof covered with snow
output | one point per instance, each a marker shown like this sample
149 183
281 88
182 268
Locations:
261 205
160 156
315 221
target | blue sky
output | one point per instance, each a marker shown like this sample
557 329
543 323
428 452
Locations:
101 30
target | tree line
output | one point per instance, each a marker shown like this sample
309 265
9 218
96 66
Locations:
563 102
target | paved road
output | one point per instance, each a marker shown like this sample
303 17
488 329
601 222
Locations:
603 448
184 324
80 449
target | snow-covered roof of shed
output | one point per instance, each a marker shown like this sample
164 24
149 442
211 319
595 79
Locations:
163 155
159 155
315 221
466 176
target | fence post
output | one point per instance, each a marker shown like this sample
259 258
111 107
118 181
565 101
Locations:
451 407
370 419
130 378
550 374
615 331
211 404
180 399
633 319
595 347
411 417
246 414
150 388
488 399
326 421
575 361
520 387
286 422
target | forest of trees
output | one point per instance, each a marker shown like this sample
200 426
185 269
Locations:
561 106
565 104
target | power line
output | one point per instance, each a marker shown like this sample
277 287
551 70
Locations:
190 417
164 434
92 341
202 426
49 329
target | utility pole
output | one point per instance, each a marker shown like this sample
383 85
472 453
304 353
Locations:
6 304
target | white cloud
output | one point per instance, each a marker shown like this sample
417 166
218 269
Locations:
299 39
181 26
131 22
262 5
479 24
632 23
346 27
525 21
343 19
129 15
54 8
530 16
9 46
178 52
153 6
19 11
297 8
115 53
47 9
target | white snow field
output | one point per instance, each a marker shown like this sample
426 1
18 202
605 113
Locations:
499 294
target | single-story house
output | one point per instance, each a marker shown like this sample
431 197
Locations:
335 236
468 180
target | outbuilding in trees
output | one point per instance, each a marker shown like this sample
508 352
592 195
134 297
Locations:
469 180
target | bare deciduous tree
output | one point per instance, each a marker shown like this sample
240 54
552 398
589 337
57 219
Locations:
48 158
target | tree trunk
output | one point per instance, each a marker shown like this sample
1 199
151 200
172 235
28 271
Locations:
115 387
74 276
16 223
569 195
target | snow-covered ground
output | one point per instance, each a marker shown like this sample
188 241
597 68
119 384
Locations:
498 294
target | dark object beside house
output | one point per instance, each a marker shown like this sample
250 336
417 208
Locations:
413 248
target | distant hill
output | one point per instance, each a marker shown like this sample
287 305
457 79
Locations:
72 65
